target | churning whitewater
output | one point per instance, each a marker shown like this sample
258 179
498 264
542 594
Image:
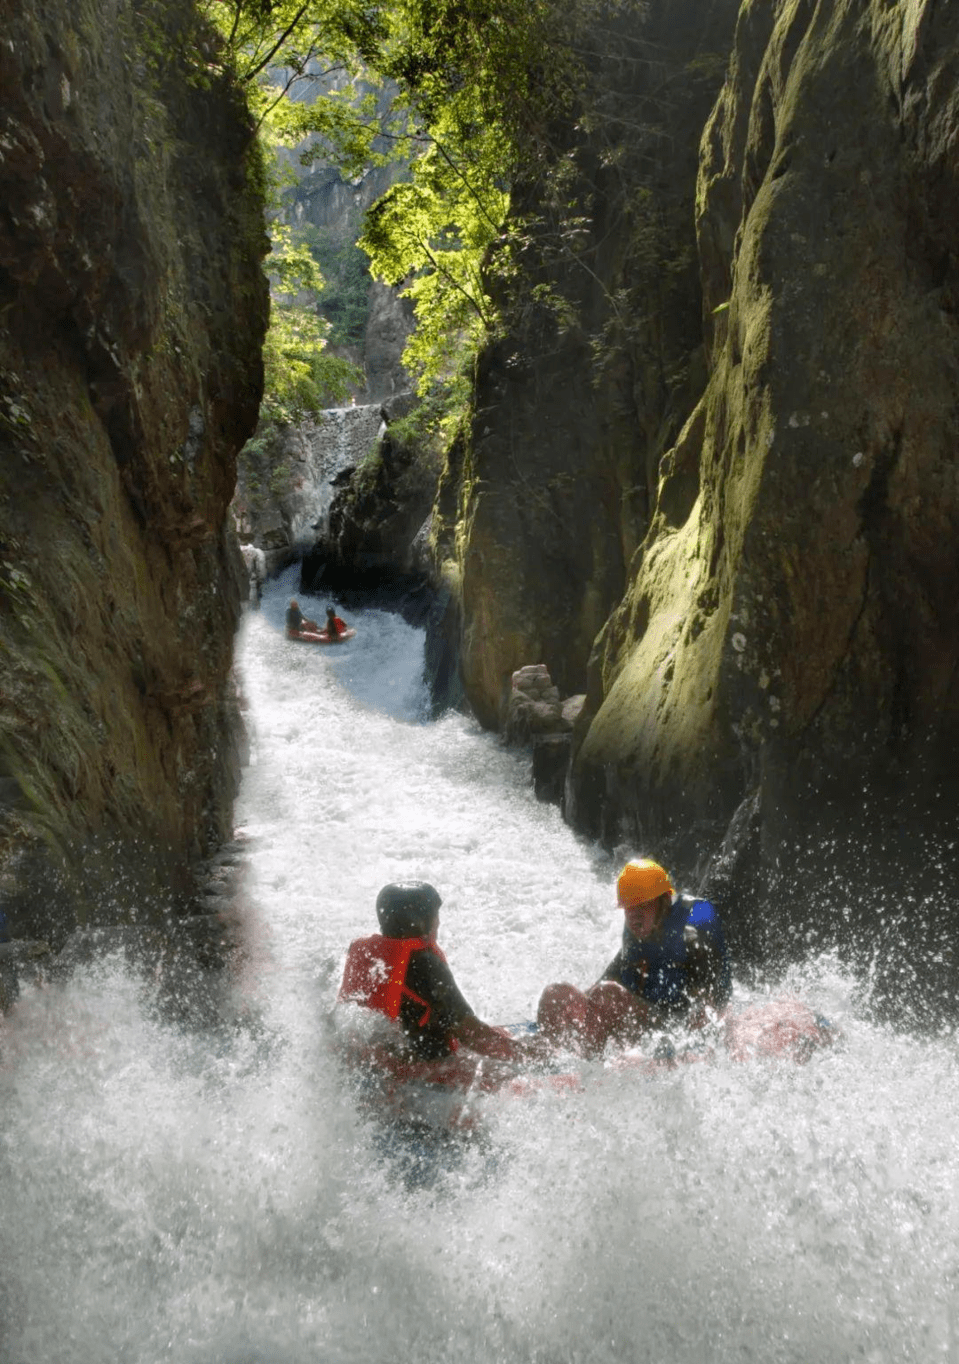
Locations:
212 1194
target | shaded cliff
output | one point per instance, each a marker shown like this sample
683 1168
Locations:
545 503
747 492
133 311
790 639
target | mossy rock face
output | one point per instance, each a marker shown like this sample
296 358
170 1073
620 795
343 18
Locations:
791 632
575 407
134 308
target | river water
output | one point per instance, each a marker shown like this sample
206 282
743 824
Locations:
216 1196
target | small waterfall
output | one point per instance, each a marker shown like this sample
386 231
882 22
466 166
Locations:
283 501
337 439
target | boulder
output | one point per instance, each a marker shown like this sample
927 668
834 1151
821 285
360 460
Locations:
533 706
21 961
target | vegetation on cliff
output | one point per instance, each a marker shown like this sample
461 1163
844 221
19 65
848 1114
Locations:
301 377
482 88
133 310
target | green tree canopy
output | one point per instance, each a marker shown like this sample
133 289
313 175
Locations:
300 378
480 86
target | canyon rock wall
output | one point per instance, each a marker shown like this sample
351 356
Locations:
745 517
133 309
545 504
788 645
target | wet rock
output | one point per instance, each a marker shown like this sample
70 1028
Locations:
21 961
141 948
282 497
207 939
550 762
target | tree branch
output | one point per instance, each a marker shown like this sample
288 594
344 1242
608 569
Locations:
265 61
451 279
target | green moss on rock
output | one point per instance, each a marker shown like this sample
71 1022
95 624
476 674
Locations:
134 308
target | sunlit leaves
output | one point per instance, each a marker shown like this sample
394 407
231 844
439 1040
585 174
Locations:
299 377
301 65
290 265
480 86
486 82
432 234
261 34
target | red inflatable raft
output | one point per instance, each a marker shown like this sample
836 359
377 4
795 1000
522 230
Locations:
776 1030
320 636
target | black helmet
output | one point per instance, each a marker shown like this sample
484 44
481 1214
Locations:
406 909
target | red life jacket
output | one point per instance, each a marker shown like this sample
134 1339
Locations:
375 974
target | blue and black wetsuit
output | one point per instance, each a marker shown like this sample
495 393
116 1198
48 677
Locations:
685 959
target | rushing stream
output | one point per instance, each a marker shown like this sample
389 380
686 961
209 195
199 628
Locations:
214 1196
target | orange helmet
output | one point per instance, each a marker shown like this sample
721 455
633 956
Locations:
642 880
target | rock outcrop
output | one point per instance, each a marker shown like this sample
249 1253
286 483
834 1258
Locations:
545 504
388 329
752 505
133 307
283 492
539 717
790 639
375 540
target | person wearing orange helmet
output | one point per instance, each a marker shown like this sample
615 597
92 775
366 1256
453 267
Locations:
673 963
673 953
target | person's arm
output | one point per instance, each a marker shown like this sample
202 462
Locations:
472 1032
614 971
432 980
704 969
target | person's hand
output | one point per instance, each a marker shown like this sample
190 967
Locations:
487 1040
537 1047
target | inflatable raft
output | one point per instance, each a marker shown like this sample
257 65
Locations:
444 1092
320 636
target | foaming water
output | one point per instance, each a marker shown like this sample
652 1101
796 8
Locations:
216 1197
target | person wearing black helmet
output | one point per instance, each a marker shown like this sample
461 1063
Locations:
402 973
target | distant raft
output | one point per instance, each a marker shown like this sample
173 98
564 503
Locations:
321 636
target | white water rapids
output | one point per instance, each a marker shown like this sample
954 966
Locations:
168 1193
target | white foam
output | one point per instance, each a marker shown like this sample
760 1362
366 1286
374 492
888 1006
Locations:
169 1194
